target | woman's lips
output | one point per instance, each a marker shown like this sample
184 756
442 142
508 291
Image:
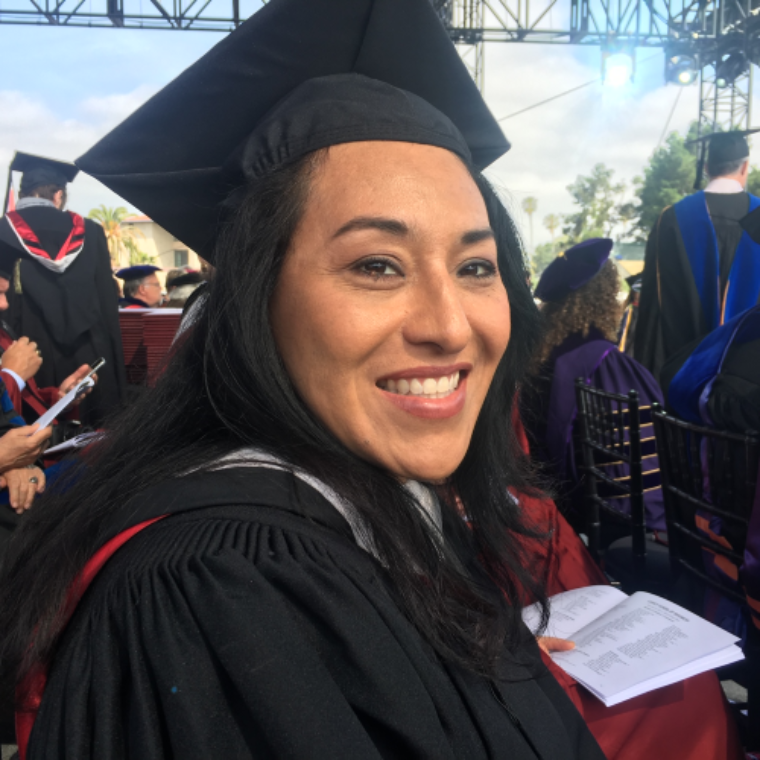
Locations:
433 404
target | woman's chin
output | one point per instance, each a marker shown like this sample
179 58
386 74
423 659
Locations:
430 469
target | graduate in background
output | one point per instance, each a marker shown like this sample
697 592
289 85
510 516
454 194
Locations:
716 383
630 315
142 289
581 315
62 294
700 267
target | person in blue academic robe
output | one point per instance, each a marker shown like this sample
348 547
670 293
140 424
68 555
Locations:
717 384
581 314
701 268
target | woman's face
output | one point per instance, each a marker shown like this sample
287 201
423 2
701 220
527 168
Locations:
390 314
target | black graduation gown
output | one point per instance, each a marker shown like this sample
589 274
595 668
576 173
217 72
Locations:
670 312
73 316
251 625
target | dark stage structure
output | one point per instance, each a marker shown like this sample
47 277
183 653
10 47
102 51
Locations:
712 41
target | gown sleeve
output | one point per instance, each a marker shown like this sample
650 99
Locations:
229 640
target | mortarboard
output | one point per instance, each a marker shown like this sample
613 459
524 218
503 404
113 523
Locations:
720 148
572 269
297 76
37 171
189 278
137 272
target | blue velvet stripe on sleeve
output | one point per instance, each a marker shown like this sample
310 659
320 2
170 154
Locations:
10 417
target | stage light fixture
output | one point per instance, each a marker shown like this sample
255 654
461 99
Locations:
681 69
617 68
731 68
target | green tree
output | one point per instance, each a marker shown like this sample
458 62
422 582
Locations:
600 205
552 223
121 240
136 256
753 181
668 177
544 255
530 206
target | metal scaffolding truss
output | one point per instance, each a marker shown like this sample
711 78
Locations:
586 22
706 29
201 15
724 108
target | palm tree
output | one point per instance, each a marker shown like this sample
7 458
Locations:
530 206
121 240
552 223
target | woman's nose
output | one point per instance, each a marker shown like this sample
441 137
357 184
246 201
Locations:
436 315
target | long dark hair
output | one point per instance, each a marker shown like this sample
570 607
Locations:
225 387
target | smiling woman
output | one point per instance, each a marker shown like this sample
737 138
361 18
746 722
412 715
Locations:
389 313
295 577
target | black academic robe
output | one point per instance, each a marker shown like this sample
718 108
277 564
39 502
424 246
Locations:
249 624
670 311
73 316
132 303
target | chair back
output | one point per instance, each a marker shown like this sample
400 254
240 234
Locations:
709 479
610 438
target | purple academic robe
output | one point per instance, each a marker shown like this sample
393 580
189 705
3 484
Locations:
549 411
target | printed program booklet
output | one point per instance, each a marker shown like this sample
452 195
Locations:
629 645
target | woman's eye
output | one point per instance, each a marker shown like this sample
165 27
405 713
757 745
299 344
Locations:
478 269
377 269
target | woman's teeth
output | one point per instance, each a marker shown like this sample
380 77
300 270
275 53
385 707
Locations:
428 387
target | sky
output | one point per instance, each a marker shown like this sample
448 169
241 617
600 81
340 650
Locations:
61 89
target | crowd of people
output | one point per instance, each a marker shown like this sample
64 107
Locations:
313 531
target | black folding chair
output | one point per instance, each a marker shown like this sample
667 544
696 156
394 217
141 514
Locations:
611 447
710 474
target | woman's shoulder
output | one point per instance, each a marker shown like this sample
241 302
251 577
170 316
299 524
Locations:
244 520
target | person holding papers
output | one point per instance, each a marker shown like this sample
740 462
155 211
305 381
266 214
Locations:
62 293
20 480
19 361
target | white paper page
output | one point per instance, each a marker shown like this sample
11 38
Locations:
641 638
153 310
50 415
572 610
710 662
77 442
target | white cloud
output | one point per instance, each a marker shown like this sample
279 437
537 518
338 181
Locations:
552 144
556 142
28 124
111 109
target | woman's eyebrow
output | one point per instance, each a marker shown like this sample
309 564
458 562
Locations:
400 229
476 236
383 224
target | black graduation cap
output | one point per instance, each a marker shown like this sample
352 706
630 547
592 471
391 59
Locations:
137 272
38 171
189 278
721 148
297 76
